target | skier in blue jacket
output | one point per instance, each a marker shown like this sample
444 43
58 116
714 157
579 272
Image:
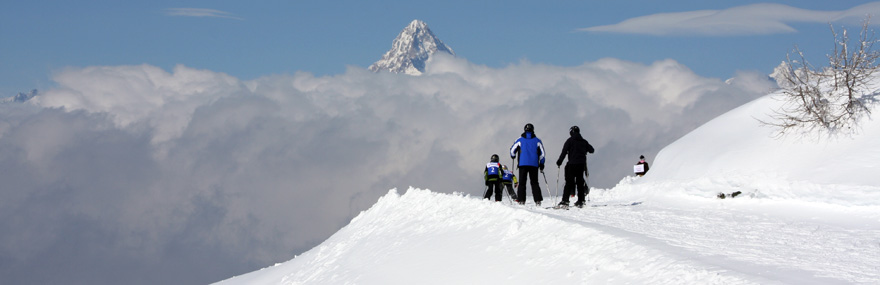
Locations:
531 160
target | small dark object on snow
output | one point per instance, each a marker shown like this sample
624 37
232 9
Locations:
731 195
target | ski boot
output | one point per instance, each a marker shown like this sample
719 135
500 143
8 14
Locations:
562 205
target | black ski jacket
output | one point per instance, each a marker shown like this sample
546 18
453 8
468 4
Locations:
576 147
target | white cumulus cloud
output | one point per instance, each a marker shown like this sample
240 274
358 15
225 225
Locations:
194 175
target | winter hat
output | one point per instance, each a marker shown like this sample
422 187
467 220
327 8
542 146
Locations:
529 128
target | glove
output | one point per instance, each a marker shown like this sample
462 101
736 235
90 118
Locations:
541 166
558 163
516 185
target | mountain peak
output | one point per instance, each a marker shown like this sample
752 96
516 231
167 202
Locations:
410 50
417 24
21 97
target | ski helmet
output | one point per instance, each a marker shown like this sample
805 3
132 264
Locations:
529 127
494 158
574 130
504 167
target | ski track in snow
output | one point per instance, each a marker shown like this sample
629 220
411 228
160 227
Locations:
778 247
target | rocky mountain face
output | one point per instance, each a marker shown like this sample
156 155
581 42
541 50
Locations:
410 50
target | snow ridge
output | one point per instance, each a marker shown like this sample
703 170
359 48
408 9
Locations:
411 50
423 231
623 237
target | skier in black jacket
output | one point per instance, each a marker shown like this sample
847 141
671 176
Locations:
576 147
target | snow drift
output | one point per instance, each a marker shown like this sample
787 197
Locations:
429 238
734 153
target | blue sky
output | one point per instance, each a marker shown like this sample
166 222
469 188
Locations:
249 40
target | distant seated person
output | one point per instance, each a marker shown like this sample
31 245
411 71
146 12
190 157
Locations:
641 167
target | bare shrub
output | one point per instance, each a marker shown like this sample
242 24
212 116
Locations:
832 99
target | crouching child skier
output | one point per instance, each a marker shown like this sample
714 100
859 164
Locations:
508 179
493 176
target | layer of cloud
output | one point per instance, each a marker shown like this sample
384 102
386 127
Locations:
754 19
190 176
199 12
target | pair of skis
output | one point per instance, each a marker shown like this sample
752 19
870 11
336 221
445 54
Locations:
547 186
565 207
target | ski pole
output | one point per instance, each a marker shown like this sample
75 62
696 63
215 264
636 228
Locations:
587 186
547 184
557 182
504 188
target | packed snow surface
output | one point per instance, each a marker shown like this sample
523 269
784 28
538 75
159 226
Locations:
809 213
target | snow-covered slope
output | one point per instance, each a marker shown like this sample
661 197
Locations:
428 238
411 50
810 214
734 153
424 237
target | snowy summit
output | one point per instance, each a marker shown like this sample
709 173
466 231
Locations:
410 50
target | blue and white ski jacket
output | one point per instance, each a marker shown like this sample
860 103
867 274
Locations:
530 149
508 177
